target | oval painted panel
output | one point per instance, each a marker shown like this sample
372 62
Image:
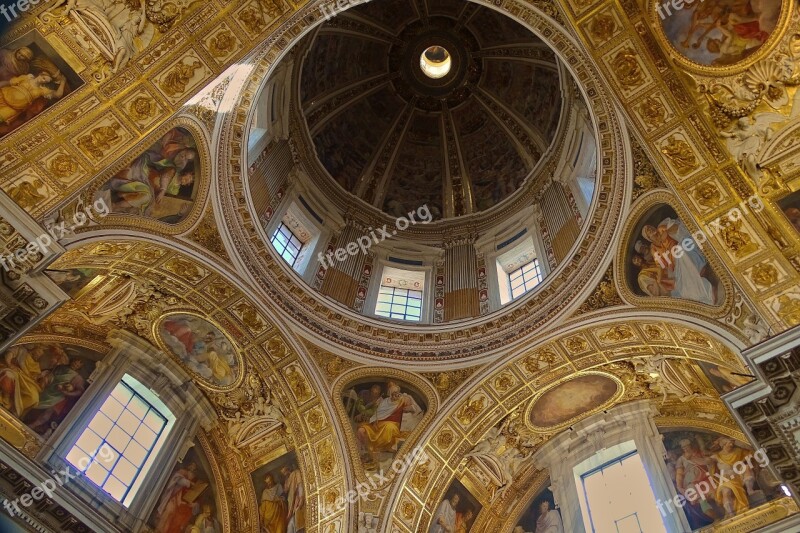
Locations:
719 33
203 349
571 399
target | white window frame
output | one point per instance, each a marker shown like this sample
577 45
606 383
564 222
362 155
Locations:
602 460
283 229
538 277
604 431
171 385
380 263
270 118
496 278
307 263
410 294
81 455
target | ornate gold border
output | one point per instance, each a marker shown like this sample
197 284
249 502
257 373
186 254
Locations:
123 221
765 49
100 348
549 429
196 378
365 335
382 373
639 208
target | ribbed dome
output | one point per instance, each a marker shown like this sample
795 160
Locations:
397 138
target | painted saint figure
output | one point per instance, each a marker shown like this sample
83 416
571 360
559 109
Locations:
549 520
381 431
733 487
273 510
174 513
296 501
444 521
657 270
159 183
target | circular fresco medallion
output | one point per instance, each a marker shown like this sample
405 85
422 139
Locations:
204 350
721 33
569 401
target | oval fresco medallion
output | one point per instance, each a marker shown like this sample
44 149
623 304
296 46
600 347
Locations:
720 33
572 399
205 351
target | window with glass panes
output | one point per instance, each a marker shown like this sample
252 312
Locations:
620 499
403 304
287 244
525 278
114 447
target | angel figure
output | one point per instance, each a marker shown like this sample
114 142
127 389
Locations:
512 461
663 378
125 29
268 410
125 44
746 139
234 425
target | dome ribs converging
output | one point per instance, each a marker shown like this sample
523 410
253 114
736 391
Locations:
477 126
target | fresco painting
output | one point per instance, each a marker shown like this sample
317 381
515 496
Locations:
161 183
33 77
652 269
719 32
382 414
40 383
723 378
416 177
492 162
330 64
572 398
202 347
693 457
360 130
281 495
790 207
73 280
541 516
456 512
188 501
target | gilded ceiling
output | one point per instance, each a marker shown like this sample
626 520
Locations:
697 130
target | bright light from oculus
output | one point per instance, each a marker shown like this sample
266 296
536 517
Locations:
435 62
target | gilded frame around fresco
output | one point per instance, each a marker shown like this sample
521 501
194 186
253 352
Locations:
380 373
620 392
740 66
640 207
126 221
198 379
